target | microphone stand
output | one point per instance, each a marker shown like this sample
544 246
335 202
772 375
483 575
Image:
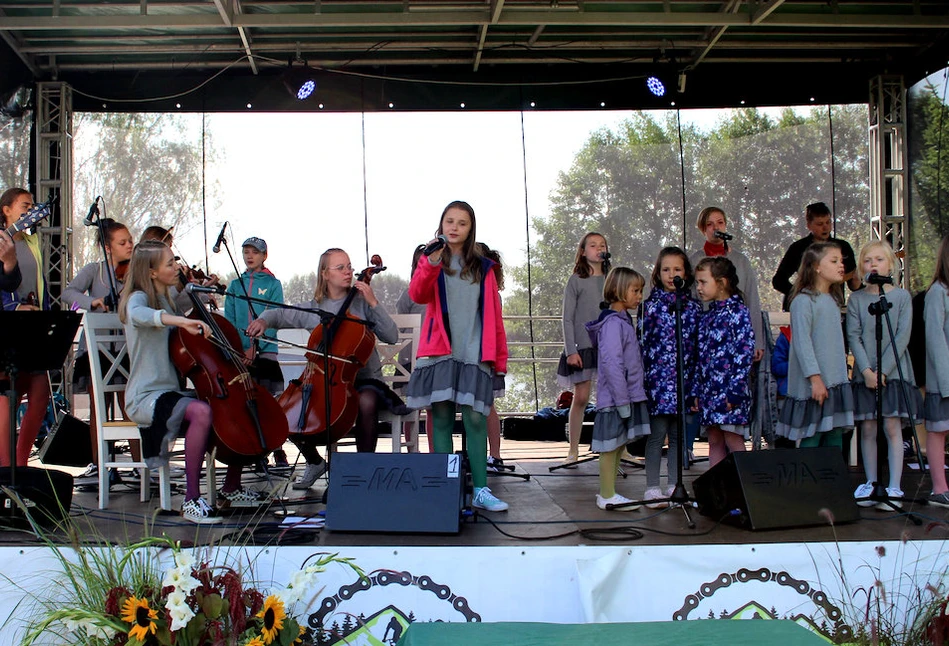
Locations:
112 300
881 311
250 304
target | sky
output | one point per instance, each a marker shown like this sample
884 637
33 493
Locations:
296 180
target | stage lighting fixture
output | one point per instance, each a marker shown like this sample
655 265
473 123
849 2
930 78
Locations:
655 86
299 81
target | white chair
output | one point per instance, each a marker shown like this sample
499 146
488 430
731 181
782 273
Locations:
105 340
395 374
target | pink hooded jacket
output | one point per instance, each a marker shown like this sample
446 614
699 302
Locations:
428 288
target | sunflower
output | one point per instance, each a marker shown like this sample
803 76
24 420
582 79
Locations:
256 641
136 612
299 639
273 615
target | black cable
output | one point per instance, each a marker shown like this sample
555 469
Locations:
619 533
682 175
527 237
530 538
833 168
942 115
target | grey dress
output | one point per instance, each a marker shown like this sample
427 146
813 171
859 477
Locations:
817 348
936 312
581 304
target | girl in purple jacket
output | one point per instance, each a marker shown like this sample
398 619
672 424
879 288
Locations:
726 348
622 413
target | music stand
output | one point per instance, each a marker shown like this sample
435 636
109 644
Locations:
35 341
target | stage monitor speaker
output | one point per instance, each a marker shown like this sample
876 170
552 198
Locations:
68 444
777 489
46 493
395 493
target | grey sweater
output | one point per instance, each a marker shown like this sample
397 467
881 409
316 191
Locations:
581 304
936 314
817 344
861 331
152 373
90 283
384 328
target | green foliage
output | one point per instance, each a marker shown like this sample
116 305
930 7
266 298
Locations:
626 183
14 153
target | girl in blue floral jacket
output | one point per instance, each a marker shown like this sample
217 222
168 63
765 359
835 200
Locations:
658 341
726 348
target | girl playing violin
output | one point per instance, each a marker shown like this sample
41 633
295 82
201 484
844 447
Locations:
154 398
333 283
463 345
91 290
22 277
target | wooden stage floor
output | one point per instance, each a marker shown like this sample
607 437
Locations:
547 509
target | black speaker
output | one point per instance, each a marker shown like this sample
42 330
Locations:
68 443
46 493
395 493
779 488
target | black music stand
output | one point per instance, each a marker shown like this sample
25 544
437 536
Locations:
34 341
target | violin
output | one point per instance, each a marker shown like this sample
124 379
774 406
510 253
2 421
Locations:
336 353
121 270
248 421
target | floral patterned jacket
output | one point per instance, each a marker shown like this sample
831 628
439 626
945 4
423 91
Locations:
726 348
658 343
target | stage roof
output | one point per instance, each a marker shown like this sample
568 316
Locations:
488 54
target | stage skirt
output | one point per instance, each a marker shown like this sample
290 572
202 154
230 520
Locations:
610 431
449 380
802 418
865 402
567 375
738 429
165 428
936 413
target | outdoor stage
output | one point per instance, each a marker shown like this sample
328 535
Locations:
554 557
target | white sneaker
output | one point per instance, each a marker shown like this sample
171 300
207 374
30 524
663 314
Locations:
198 511
863 492
894 496
655 493
91 473
310 475
615 499
484 499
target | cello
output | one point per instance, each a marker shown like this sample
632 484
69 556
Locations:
248 421
323 401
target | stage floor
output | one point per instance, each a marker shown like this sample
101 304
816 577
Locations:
546 509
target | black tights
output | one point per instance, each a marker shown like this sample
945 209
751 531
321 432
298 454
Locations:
365 430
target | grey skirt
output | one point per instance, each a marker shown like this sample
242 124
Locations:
610 431
865 401
450 380
936 413
567 375
801 418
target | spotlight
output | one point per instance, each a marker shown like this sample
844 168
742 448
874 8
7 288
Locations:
655 86
299 80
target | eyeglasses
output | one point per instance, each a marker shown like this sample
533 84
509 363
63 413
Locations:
342 268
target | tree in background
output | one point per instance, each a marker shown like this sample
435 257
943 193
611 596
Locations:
147 167
14 152
929 172
626 184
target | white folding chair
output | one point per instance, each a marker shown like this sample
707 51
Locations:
105 340
395 374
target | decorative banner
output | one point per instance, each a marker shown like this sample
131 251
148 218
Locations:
833 589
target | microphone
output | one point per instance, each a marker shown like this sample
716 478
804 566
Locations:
873 278
440 242
605 255
191 288
93 212
678 282
721 235
220 238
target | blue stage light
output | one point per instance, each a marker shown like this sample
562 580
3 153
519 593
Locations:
306 90
655 86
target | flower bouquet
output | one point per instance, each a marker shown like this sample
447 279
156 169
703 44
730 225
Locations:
120 596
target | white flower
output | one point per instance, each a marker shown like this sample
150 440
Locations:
300 583
184 560
84 625
180 579
180 612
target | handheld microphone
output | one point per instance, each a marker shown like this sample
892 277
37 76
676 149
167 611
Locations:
721 235
440 242
220 238
678 282
605 255
191 288
873 278
93 212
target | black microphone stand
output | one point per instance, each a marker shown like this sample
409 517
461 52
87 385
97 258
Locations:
680 497
112 300
881 311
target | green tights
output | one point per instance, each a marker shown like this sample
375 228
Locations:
476 444
834 437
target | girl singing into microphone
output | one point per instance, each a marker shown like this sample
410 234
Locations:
463 344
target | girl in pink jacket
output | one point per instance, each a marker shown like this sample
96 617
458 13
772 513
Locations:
462 344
